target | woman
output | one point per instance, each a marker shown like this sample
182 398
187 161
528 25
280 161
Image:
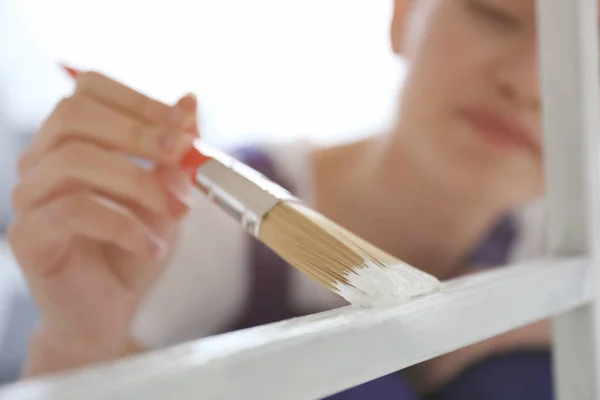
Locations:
99 238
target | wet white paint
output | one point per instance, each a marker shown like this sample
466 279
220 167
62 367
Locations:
373 284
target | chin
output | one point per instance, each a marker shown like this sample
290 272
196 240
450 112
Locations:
474 170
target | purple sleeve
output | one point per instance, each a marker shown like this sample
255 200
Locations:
495 248
270 274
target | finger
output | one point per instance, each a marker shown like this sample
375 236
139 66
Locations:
180 198
83 118
177 183
189 103
117 95
81 165
167 229
40 238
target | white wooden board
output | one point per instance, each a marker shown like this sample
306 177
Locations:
315 356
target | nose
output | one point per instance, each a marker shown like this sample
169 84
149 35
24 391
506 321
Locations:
516 77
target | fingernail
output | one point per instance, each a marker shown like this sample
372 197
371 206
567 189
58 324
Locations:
157 246
189 102
181 187
184 195
176 143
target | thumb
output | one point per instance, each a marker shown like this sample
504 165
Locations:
189 103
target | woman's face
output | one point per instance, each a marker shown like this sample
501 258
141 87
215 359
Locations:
471 100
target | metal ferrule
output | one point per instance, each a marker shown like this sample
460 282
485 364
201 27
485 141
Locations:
241 191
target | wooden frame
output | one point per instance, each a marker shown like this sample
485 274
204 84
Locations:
568 32
318 355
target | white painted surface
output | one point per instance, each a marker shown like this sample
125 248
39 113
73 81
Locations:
314 356
569 62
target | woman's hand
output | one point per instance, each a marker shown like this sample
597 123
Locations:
94 229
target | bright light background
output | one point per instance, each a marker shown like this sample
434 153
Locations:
263 69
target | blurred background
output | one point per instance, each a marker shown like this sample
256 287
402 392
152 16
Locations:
263 70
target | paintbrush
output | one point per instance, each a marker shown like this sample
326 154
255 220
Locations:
330 254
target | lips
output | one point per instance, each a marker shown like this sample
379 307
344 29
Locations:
500 130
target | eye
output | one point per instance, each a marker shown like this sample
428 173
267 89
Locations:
494 14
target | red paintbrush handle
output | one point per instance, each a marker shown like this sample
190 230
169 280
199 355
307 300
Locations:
190 162
73 73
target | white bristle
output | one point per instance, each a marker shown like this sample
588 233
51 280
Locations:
371 284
